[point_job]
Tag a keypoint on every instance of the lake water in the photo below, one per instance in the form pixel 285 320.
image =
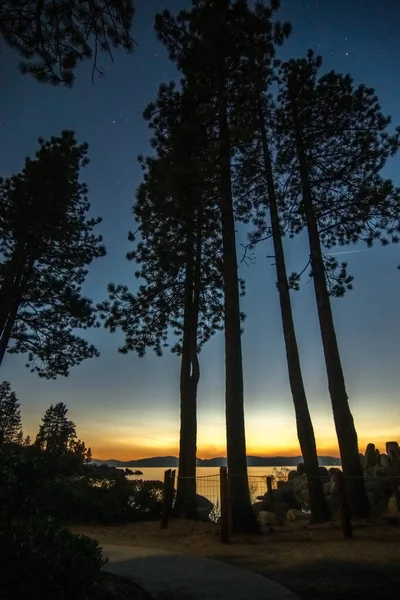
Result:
pixel 207 479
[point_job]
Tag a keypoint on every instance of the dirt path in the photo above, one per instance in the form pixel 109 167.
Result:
pixel 313 562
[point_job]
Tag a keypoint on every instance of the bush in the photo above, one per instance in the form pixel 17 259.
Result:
pixel 102 497
pixel 40 561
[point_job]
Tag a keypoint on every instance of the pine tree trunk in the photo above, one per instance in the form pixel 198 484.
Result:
pixel 305 431
pixel 186 504
pixel 344 423
pixel 243 516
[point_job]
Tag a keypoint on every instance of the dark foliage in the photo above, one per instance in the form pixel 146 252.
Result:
pixel 10 415
pixel 102 495
pixel 41 561
pixel 54 36
pixel 46 244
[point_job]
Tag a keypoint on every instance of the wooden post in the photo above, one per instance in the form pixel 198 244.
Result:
pixel 344 508
pixel 270 494
pixel 225 516
pixel 165 512
pixel 171 493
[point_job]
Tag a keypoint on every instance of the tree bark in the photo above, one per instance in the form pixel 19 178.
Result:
pixel 344 423
pixel 305 431
pixel 186 504
pixel 243 516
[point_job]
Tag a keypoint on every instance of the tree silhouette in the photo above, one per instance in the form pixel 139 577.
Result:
pixel 10 414
pixel 46 243
pixel 178 255
pixel 56 432
pixel 54 36
pixel 333 142
pixel 207 44
pixel 256 180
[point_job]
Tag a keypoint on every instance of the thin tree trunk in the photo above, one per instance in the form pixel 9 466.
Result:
pixel 344 423
pixel 190 373
pixel 243 516
pixel 305 431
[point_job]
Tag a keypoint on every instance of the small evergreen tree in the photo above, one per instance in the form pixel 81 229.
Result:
pixel 10 415
pixel 54 37
pixel 46 243
pixel 57 432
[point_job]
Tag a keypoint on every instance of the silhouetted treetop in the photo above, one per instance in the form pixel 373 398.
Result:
pixel 54 36
pixel 47 240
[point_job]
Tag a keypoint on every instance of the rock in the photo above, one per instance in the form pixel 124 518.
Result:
pixel 370 456
pixel 258 507
pixel 297 515
pixel 300 490
pixel 281 509
pixel 378 456
pixel 268 518
pixel 204 507
pixel 392 504
pixel 283 494
pixel 333 470
pixel 323 472
pixel 385 462
pixel 280 484
pixel 301 468
pixel 292 475
pixel 392 446
pixel 362 461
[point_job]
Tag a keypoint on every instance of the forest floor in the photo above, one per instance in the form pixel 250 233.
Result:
pixel 314 562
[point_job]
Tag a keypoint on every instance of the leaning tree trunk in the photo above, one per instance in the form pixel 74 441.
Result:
pixel 186 504
pixel 243 516
pixel 305 431
pixel 344 423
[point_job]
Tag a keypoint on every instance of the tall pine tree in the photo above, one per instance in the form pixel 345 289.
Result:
pixel 57 432
pixel 333 143
pixel 178 255
pixel 208 46
pixel 46 243
pixel 256 180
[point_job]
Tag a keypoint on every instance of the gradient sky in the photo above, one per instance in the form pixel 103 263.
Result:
pixel 126 407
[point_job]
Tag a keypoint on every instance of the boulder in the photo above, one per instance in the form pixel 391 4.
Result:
pixel 204 507
pixel 323 472
pixel 281 509
pixel 292 475
pixel 283 494
pixel 258 507
pixel 385 462
pixel 268 518
pixel 297 515
pixel 370 456
pixel 301 468
pixel 392 504
pixel 300 490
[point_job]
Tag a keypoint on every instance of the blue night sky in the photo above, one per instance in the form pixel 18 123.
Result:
pixel 126 407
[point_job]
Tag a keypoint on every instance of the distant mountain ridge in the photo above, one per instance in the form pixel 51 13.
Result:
pixel 252 461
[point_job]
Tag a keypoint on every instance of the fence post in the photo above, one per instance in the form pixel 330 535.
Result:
pixel 270 494
pixel 344 508
pixel 171 493
pixel 225 516
pixel 165 511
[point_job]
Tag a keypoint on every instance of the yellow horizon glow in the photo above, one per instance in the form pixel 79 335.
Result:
pixel 122 436
pixel 125 452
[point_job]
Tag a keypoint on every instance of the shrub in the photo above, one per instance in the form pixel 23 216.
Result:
pixel 41 561
pixel 104 499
